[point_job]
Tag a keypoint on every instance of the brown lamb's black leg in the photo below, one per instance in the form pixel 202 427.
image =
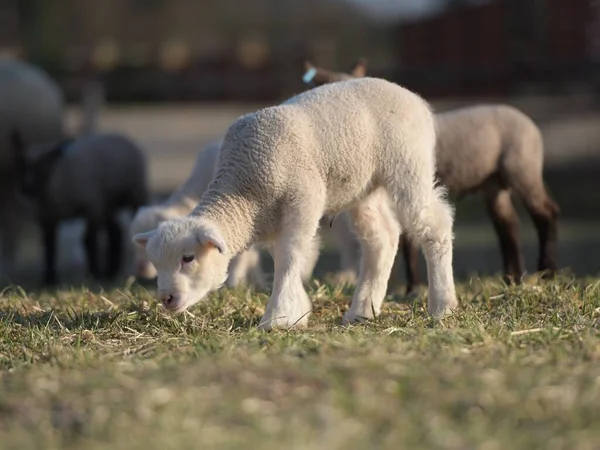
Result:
pixel 506 223
pixel 410 253
pixel 411 256
pixel 544 214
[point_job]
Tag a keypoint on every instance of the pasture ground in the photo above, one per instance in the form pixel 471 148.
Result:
pixel 515 367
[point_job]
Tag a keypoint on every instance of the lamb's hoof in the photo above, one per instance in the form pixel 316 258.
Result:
pixel 345 277
pixel 351 317
pixel 548 274
pixel 442 309
pixel 275 322
pixel 415 292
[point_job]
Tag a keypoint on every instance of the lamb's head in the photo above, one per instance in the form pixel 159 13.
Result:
pixel 191 258
pixel 147 218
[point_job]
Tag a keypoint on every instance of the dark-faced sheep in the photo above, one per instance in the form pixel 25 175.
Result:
pixel 92 177
pixel 32 102
pixel 495 150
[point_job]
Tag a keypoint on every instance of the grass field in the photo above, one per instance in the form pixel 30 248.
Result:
pixel 516 367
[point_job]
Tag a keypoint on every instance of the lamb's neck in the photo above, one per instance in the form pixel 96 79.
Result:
pixel 233 214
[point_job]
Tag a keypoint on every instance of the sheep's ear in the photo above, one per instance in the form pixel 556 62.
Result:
pixel 360 68
pixel 141 239
pixel 211 238
pixel 309 72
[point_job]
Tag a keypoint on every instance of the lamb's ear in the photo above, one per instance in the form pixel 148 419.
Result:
pixel 211 237
pixel 141 239
pixel 360 68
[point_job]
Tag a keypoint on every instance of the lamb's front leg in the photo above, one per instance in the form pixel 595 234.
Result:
pixel 378 232
pixel 289 305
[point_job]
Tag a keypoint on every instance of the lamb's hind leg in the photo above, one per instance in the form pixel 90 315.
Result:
pixel 378 232
pixel 506 223
pixel 544 212
pixel 428 218
pixel 289 305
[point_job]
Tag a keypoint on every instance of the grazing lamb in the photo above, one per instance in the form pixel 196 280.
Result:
pixel 91 177
pixel 244 267
pixel 495 150
pixel 33 102
pixel 364 145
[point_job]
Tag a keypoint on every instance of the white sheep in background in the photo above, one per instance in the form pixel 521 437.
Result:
pixel 92 177
pixel 364 145
pixel 492 149
pixel 244 268
pixel 31 101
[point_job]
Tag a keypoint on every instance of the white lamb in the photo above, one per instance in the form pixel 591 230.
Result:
pixel 244 268
pixel 364 145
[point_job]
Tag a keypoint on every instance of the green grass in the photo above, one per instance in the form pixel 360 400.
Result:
pixel 516 367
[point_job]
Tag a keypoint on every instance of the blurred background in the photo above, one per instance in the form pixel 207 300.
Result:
pixel 173 74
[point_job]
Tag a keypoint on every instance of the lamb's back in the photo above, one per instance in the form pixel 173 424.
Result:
pixel 473 140
pixel 334 137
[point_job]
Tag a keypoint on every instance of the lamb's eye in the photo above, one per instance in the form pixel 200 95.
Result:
pixel 187 259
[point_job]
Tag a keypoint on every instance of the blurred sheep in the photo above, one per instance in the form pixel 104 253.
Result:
pixel 495 150
pixel 92 177
pixel 32 102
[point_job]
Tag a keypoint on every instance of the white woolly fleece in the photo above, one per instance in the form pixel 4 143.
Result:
pixel 364 145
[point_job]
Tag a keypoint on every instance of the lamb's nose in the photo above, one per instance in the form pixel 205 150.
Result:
pixel 168 300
